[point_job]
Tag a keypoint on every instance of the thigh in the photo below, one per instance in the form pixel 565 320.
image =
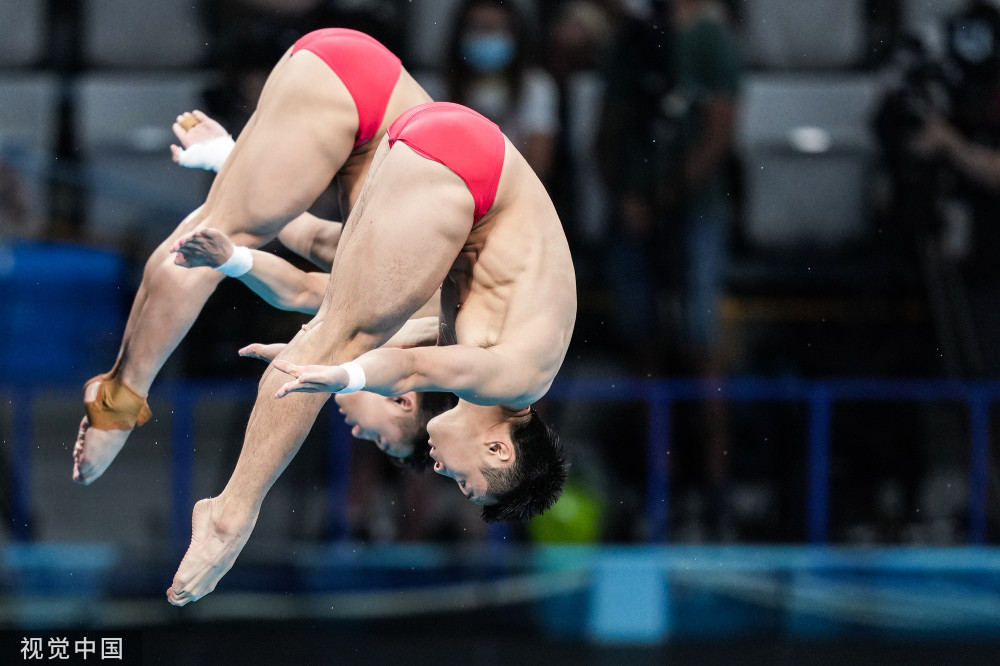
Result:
pixel 408 227
pixel 298 138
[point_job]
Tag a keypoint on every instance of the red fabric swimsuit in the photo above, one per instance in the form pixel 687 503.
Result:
pixel 367 68
pixel 456 136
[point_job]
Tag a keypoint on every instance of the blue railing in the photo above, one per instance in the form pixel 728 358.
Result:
pixel 660 396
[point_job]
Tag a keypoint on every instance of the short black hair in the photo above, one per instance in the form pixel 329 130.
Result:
pixel 534 481
pixel 429 405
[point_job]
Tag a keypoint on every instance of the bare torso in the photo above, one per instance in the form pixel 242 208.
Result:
pixel 513 287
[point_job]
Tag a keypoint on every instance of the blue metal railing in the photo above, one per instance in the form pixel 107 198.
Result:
pixel 660 395
pixel 819 396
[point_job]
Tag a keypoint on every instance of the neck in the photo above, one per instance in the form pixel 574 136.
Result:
pixel 494 413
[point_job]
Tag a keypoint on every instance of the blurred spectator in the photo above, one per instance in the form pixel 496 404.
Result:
pixel 980 163
pixel 249 36
pixel 939 126
pixel 489 68
pixel 666 140
pixel 580 34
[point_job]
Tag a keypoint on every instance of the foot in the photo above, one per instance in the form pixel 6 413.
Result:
pixel 95 449
pixel 216 541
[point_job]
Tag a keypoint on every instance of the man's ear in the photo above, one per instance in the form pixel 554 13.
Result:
pixel 503 450
pixel 407 402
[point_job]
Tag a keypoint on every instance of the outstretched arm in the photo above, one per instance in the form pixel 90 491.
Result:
pixel 272 278
pixel 414 333
pixel 481 376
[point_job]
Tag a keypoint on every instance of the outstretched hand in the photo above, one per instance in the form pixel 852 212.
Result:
pixel 202 247
pixel 205 130
pixel 311 378
pixel 262 352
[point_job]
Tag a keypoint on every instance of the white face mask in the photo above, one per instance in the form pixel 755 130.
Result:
pixel 637 7
pixel 488 53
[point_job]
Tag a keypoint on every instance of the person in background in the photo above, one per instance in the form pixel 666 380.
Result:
pixel 580 34
pixel 667 140
pixel 490 68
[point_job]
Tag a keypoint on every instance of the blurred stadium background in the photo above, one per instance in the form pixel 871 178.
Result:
pixel 827 494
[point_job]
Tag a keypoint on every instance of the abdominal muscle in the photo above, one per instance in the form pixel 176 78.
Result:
pixel 513 287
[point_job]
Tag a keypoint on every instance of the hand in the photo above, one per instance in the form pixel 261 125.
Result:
pixel 263 352
pixel 311 378
pixel 202 247
pixel 205 130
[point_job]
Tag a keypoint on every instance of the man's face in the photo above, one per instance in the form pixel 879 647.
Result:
pixel 461 446
pixel 378 419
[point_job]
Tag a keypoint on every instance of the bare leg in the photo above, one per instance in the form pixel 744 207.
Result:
pixel 283 160
pixel 397 247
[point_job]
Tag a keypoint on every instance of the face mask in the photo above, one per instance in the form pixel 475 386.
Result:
pixel 488 53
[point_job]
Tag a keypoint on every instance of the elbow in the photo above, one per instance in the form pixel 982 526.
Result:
pixel 306 303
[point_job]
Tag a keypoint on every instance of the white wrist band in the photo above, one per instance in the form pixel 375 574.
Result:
pixel 208 155
pixel 238 263
pixel 355 377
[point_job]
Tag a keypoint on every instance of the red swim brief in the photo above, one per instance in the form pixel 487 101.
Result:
pixel 367 68
pixel 456 136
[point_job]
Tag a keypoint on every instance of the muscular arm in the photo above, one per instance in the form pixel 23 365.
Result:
pixel 420 332
pixel 481 376
pixel 414 333
pixel 312 238
pixel 272 278
pixel 283 285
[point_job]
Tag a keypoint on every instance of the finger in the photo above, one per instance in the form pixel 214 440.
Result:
pixel 288 368
pixel 176 599
pixel 181 241
pixel 181 260
pixel 201 116
pixel 175 151
pixel 251 352
pixel 258 351
pixel 290 387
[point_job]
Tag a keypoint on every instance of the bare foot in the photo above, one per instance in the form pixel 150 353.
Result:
pixel 95 449
pixel 216 541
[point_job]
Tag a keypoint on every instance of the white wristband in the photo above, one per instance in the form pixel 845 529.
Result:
pixel 208 155
pixel 238 263
pixel 355 377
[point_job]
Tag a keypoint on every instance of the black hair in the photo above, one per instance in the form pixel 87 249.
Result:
pixel 534 481
pixel 429 405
